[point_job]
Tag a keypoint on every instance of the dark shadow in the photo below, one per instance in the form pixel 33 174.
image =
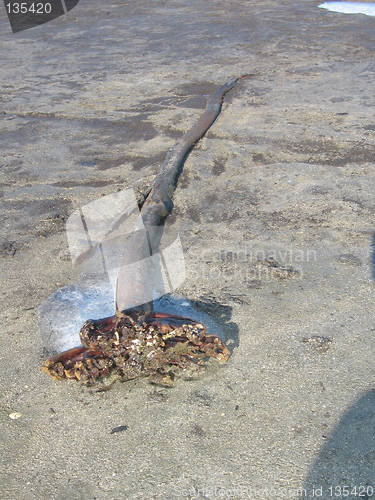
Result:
pixel 348 458
pixel 221 314
pixel 373 256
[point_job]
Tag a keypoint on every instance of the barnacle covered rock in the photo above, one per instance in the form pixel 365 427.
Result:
pixel 127 346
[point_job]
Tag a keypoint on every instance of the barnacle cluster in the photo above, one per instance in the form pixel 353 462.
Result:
pixel 127 346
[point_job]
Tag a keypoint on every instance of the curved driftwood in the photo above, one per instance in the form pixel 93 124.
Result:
pixel 137 342
pixel 156 205
pixel 158 201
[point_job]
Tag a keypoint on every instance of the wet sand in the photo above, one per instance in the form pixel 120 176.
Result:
pixel 275 210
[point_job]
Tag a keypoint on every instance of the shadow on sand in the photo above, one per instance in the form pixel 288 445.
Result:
pixel 348 458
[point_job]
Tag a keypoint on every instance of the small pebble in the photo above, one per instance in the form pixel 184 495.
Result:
pixel 120 428
pixel 15 415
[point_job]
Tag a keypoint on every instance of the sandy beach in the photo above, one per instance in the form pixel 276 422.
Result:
pixel 275 211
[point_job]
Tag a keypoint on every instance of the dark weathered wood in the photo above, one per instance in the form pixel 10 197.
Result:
pixel 158 203
pixel 156 206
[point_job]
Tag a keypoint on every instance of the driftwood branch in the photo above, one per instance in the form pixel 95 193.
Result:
pixel 156 206
pixel 136 343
